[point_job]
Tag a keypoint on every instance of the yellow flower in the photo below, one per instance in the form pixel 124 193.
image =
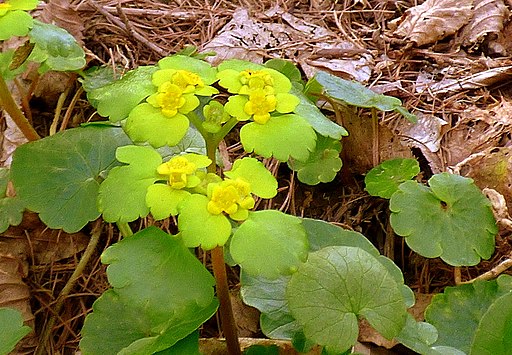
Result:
pixel 256 80
pixel 182 170
pixel 187 81
pixel 260 105
pixel 170 99
pixel 232 197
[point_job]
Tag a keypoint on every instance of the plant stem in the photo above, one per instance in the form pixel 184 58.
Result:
pixel 59 303
pixel 221 279
pixel 125 229
pixel 12 109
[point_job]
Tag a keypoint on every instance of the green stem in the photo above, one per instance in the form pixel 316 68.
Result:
pixel 59 303
pixel 10 106
pixel 125 229
pixel 221 279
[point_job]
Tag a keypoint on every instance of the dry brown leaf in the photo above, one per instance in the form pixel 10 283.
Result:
pixel 434 20
pixel 62 14
pixel 489 17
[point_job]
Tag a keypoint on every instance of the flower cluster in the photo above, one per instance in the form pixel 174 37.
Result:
pixel 181 170
pixel 232 197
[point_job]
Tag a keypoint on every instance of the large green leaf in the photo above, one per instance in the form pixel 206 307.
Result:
pixel 122 196
pixel 55 48
pixel 494 333
pixel 458 312
pixel 287 68
pixel 356 94
pixel 12 329
pixel 337 285
pixel 321 124
pixel 11 208
pixel 384 179
pixel 161 293
pixel 269 243
pixel 115 100
pixel 59 176
pixel 281 137
pixel 15 23
pixel 451 219
pixel 323 163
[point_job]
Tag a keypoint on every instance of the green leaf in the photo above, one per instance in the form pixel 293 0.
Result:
pixel 11 208
pixel 12 329
pixel 238 65
pixel 161 293
pixel 147 124
pixel 321 124
pixel 97 77
pixel 323 163
pixel 355 94
pixel 337 285
pixel 269 243
pixel 186 346
pixel 200 228
pixel 287 68
pixel 163 200
pixel 122 196
pixel 451 219
pixel 262 350
pixel 15 23
pixel 459 311
pixel 281 137
pixel 126 93
pixel 59 176
pixel 55 48
pixel 6 58
pixel 197 66
pixel 22 4
pixel 193 142
pixel 384 179
pixel 263 183
pixel 494 333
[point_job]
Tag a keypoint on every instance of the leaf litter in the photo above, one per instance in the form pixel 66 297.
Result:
pixel 448 61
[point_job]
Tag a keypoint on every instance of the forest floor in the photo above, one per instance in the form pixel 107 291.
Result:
pixel 449 63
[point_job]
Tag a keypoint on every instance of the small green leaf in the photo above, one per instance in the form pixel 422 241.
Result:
pixel 262 350
pixel 323 163
pixel 59 176
pixel 269 243
pixel 451 219
pixel 15 23
pixel 285 67
pixel 263 183
pixel 122 196
pixel 11 208
pixel 494 333
pixel 163 200
pixel 384 179
pixel 55 48
pixel 337 285
pixel 161 293
pixel 459 311
pixel 193 142
pixel 197 66
pixel 126 93
pixel 281 137
pixel 355 94
pixel 200 228
pixel 321 124
pixel 97 77
pixel 238 65
pixel 147 124
pixel 12 329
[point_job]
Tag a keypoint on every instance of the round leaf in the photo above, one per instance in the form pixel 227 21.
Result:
pixel 147 124
pixel 335 286
pixel 451 219
pixel 59 176
pixel 323 163
pixel 122 196
pixel 15 23
pixel 263 183
pixel 199 67
pixel 281 137
pixel 126 93
pixel 200 228
pixel 458 312
pixel 12 329
pixel 161 293
pixel 269 243
pixel 384 179
pixel 163 200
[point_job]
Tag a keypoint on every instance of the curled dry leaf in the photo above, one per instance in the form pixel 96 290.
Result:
pixel 434 20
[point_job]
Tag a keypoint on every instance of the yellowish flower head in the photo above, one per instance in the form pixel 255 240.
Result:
pixel 187 81
pixel 232 197
pixel 256 80
pixel 170 98
pixel 182 170
pixel 260 105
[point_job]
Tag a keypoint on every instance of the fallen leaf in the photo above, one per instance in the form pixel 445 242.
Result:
pixel 64 15
pixel 434 20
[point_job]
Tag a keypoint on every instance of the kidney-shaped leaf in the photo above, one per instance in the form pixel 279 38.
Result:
pixel 337 285
pixel 12 329
pixel 269 243
pixel 458 312
pixel 384 179
pixel 161 293
pixel 59 176
pixel 451 219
